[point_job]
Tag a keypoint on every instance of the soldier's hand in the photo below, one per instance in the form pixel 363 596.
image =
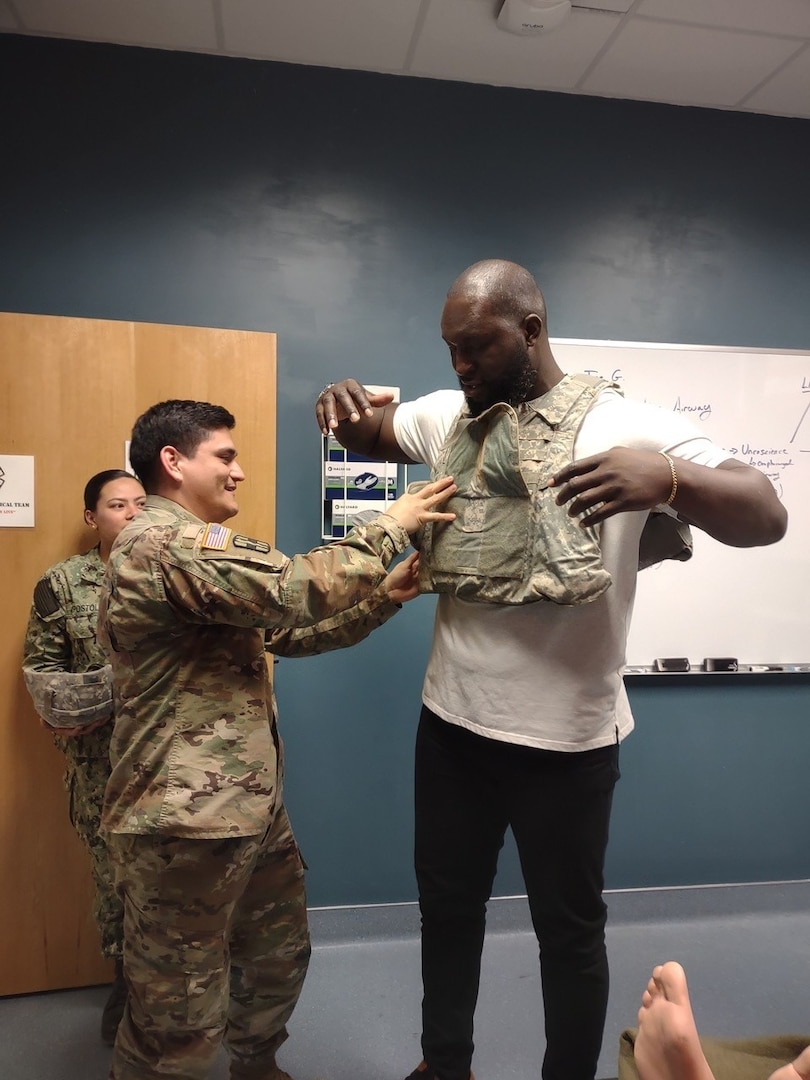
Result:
pixel 414 509
pixel 401 584
pixel 346 400
pixel 610 483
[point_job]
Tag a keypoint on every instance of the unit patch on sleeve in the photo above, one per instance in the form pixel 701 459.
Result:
pixel 216 537
pixel 189 536
pixel 252 545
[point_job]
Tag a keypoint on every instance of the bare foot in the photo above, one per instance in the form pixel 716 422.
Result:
pixel 800 1068
pixel 667 1045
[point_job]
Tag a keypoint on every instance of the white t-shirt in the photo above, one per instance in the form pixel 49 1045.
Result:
pixel 543 674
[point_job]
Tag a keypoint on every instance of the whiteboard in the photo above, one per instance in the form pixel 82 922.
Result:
pixel 749 603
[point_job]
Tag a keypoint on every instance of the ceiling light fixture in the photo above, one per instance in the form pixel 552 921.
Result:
pixel 528 17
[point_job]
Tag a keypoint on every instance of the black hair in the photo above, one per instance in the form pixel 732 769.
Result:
pixel 95 485
pixel 179 423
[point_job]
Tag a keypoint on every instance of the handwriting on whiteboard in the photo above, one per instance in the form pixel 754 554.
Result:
pixel 773 461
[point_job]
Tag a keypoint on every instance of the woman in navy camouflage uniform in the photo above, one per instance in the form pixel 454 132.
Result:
pixel 67 675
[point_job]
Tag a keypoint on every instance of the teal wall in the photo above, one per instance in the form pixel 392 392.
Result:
pixel 335 208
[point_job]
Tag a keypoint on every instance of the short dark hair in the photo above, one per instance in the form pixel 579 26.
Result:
pixel 179 423
pixel 95 485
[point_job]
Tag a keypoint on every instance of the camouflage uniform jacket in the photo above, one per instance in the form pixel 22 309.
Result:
pixel 184 611
pixel 510 542
pixel 64 640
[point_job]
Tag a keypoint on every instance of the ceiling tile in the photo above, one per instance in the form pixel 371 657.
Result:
pixel 591 5
pixel 353 33
pixel 604 5
pixel 659 61
pixel 788 92
pixel 768 16
pixel 692 52
pixel 461 40
pixel 181 24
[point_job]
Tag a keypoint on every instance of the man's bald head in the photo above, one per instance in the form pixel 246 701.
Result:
pixel 507 288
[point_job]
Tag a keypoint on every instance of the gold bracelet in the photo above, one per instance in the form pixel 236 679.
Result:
pixel 671 464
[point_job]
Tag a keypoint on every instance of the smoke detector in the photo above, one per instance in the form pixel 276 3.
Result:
pixel 528 17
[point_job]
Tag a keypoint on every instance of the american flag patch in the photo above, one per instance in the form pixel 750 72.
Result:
pixel 216 537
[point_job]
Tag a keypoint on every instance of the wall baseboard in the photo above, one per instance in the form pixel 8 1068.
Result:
pixel 509 914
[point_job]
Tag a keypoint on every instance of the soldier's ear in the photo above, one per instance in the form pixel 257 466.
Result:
pixel 90 519
pixel 532 327
pixel 170 460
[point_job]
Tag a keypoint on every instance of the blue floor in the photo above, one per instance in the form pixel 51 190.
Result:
pixel 746 950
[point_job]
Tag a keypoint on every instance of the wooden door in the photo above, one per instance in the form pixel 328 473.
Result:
pixel 70 390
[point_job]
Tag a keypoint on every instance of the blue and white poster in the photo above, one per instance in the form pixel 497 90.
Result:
pixel 352 484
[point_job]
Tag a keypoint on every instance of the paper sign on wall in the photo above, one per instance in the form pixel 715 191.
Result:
pixel 16 491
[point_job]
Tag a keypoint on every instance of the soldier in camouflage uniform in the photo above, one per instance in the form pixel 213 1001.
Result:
pixel 69 679
pixel 215 933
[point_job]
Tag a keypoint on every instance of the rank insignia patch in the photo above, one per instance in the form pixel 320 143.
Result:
pixel 252 545
pixel 216 537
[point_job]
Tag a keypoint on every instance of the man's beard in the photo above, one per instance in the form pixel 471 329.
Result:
pixel 517 385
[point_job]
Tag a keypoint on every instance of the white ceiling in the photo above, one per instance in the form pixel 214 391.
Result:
pixel 746 55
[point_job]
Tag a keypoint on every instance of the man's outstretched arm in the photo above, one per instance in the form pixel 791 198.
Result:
pixel 733 502
pixel 360 420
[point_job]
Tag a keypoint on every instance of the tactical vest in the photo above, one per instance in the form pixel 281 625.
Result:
pixel 67 699
pixel 66 602
pixel 510 542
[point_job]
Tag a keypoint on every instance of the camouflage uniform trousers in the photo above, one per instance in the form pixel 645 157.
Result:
pixel 216 945
pixel 86 774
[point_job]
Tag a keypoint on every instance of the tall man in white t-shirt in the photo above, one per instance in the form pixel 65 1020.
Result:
pixel 524 703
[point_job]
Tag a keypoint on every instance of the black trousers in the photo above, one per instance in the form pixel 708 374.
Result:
pixel 469 790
